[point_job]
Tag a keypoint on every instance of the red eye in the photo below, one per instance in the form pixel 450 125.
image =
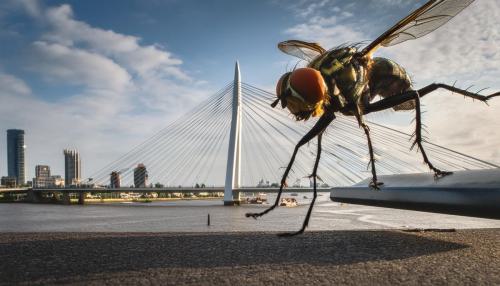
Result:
pixel 279 86
pixel 309 84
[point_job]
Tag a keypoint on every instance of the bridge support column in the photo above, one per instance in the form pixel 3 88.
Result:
pixel 33 197
pixel 231 195
pixel 81 198
pixel 65 199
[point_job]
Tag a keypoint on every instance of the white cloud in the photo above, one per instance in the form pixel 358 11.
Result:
pixel 326 31
pixel 325 24
pixel 312 8
pixel 76 66
pixel 120 91
pixel 12 85
pixel 125 49
pixel 32 7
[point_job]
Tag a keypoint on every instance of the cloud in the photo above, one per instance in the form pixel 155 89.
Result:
pixel 10 84
pixel 32 7
pixel 66 64
pixel 326 31
pixel 125 49
pixel 119 90
pixel 324 24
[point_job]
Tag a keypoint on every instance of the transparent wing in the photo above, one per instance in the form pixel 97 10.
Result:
pixel 303 50
pixel 421 22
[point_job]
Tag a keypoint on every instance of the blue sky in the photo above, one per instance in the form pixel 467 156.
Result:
pixel 101 76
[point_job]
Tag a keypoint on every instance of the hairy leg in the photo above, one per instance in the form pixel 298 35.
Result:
pixel 374 184
pixel 393 101
pixel 418 140
pixel 313 175
pixel 318 128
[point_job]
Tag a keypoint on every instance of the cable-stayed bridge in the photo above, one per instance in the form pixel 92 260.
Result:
pixel 235 139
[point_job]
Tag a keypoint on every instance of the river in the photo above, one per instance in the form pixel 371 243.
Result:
pixel 191 216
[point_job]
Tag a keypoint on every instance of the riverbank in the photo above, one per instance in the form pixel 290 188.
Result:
pixel 374 257
pixel 116 200
pixel 144 200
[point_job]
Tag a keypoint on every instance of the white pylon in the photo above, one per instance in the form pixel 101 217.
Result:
pixel 234 150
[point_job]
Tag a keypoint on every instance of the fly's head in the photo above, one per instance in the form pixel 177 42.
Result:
pixel 303 92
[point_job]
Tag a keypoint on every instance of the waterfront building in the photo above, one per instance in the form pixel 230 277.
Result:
pixel 56 181
pixel 15 155
pixel 115 179
pixel 42 176
pixel 72 167
pixel 9 182
pixel 140 176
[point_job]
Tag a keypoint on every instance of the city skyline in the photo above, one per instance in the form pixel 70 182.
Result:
pixel 74 77
pixel 17 168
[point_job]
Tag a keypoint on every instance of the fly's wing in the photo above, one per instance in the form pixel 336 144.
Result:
pixel 303 50
pixel 421 22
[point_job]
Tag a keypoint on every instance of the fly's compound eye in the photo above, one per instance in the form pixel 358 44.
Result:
pixel 309 85
pixel 303 92
pixel 282 90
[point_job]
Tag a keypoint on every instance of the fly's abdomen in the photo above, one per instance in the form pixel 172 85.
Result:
pixel 387 78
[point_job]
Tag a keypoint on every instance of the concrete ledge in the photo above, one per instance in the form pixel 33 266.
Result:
pixel 471 193
pixel 232 203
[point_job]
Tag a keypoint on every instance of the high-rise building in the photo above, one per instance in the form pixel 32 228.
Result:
pixel 42 176
pixel 140 176
pixel 15 155
pixel 72 167
pixel 115 179
pixel 42 171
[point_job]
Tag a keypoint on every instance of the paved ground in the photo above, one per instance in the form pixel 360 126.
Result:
pixel 470 257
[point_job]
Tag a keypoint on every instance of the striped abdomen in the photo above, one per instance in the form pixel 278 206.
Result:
pixel 387 78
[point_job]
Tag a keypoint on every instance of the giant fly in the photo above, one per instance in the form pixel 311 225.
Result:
pixel 346 80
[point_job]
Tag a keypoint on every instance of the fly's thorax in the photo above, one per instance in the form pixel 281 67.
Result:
pixel 334 60
pixel 344 75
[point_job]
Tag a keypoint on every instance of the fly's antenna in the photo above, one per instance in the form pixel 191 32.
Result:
pixel 296 64
pixel 287 68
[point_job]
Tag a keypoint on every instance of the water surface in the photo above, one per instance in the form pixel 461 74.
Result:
pixel 191 216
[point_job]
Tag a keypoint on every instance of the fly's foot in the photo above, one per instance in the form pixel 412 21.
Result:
pixel 374 185
pixel 439 174
pixel 290 234
pixel 253 215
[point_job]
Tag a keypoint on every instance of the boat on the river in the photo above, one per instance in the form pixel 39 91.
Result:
pixel 288 202
pixel 261 198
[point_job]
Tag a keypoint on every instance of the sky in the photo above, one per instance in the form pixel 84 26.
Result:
pixel 103 76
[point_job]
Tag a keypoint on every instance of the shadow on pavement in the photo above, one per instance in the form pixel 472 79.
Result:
pixel 41 256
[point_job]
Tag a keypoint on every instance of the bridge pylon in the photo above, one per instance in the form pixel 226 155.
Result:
pixel 233 175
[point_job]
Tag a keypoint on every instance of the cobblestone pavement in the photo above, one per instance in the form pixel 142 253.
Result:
pixel 389 257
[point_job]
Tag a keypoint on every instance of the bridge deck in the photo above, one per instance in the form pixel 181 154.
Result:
pixel 471 193
pixel 159 190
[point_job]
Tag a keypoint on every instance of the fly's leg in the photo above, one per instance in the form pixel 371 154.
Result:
pixel 374 184
pixel 418 140
pixel 314 175
pixel 318 128
pixel 463 92
pixel 391 102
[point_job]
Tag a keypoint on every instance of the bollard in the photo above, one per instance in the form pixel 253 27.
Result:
pixel 208 220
